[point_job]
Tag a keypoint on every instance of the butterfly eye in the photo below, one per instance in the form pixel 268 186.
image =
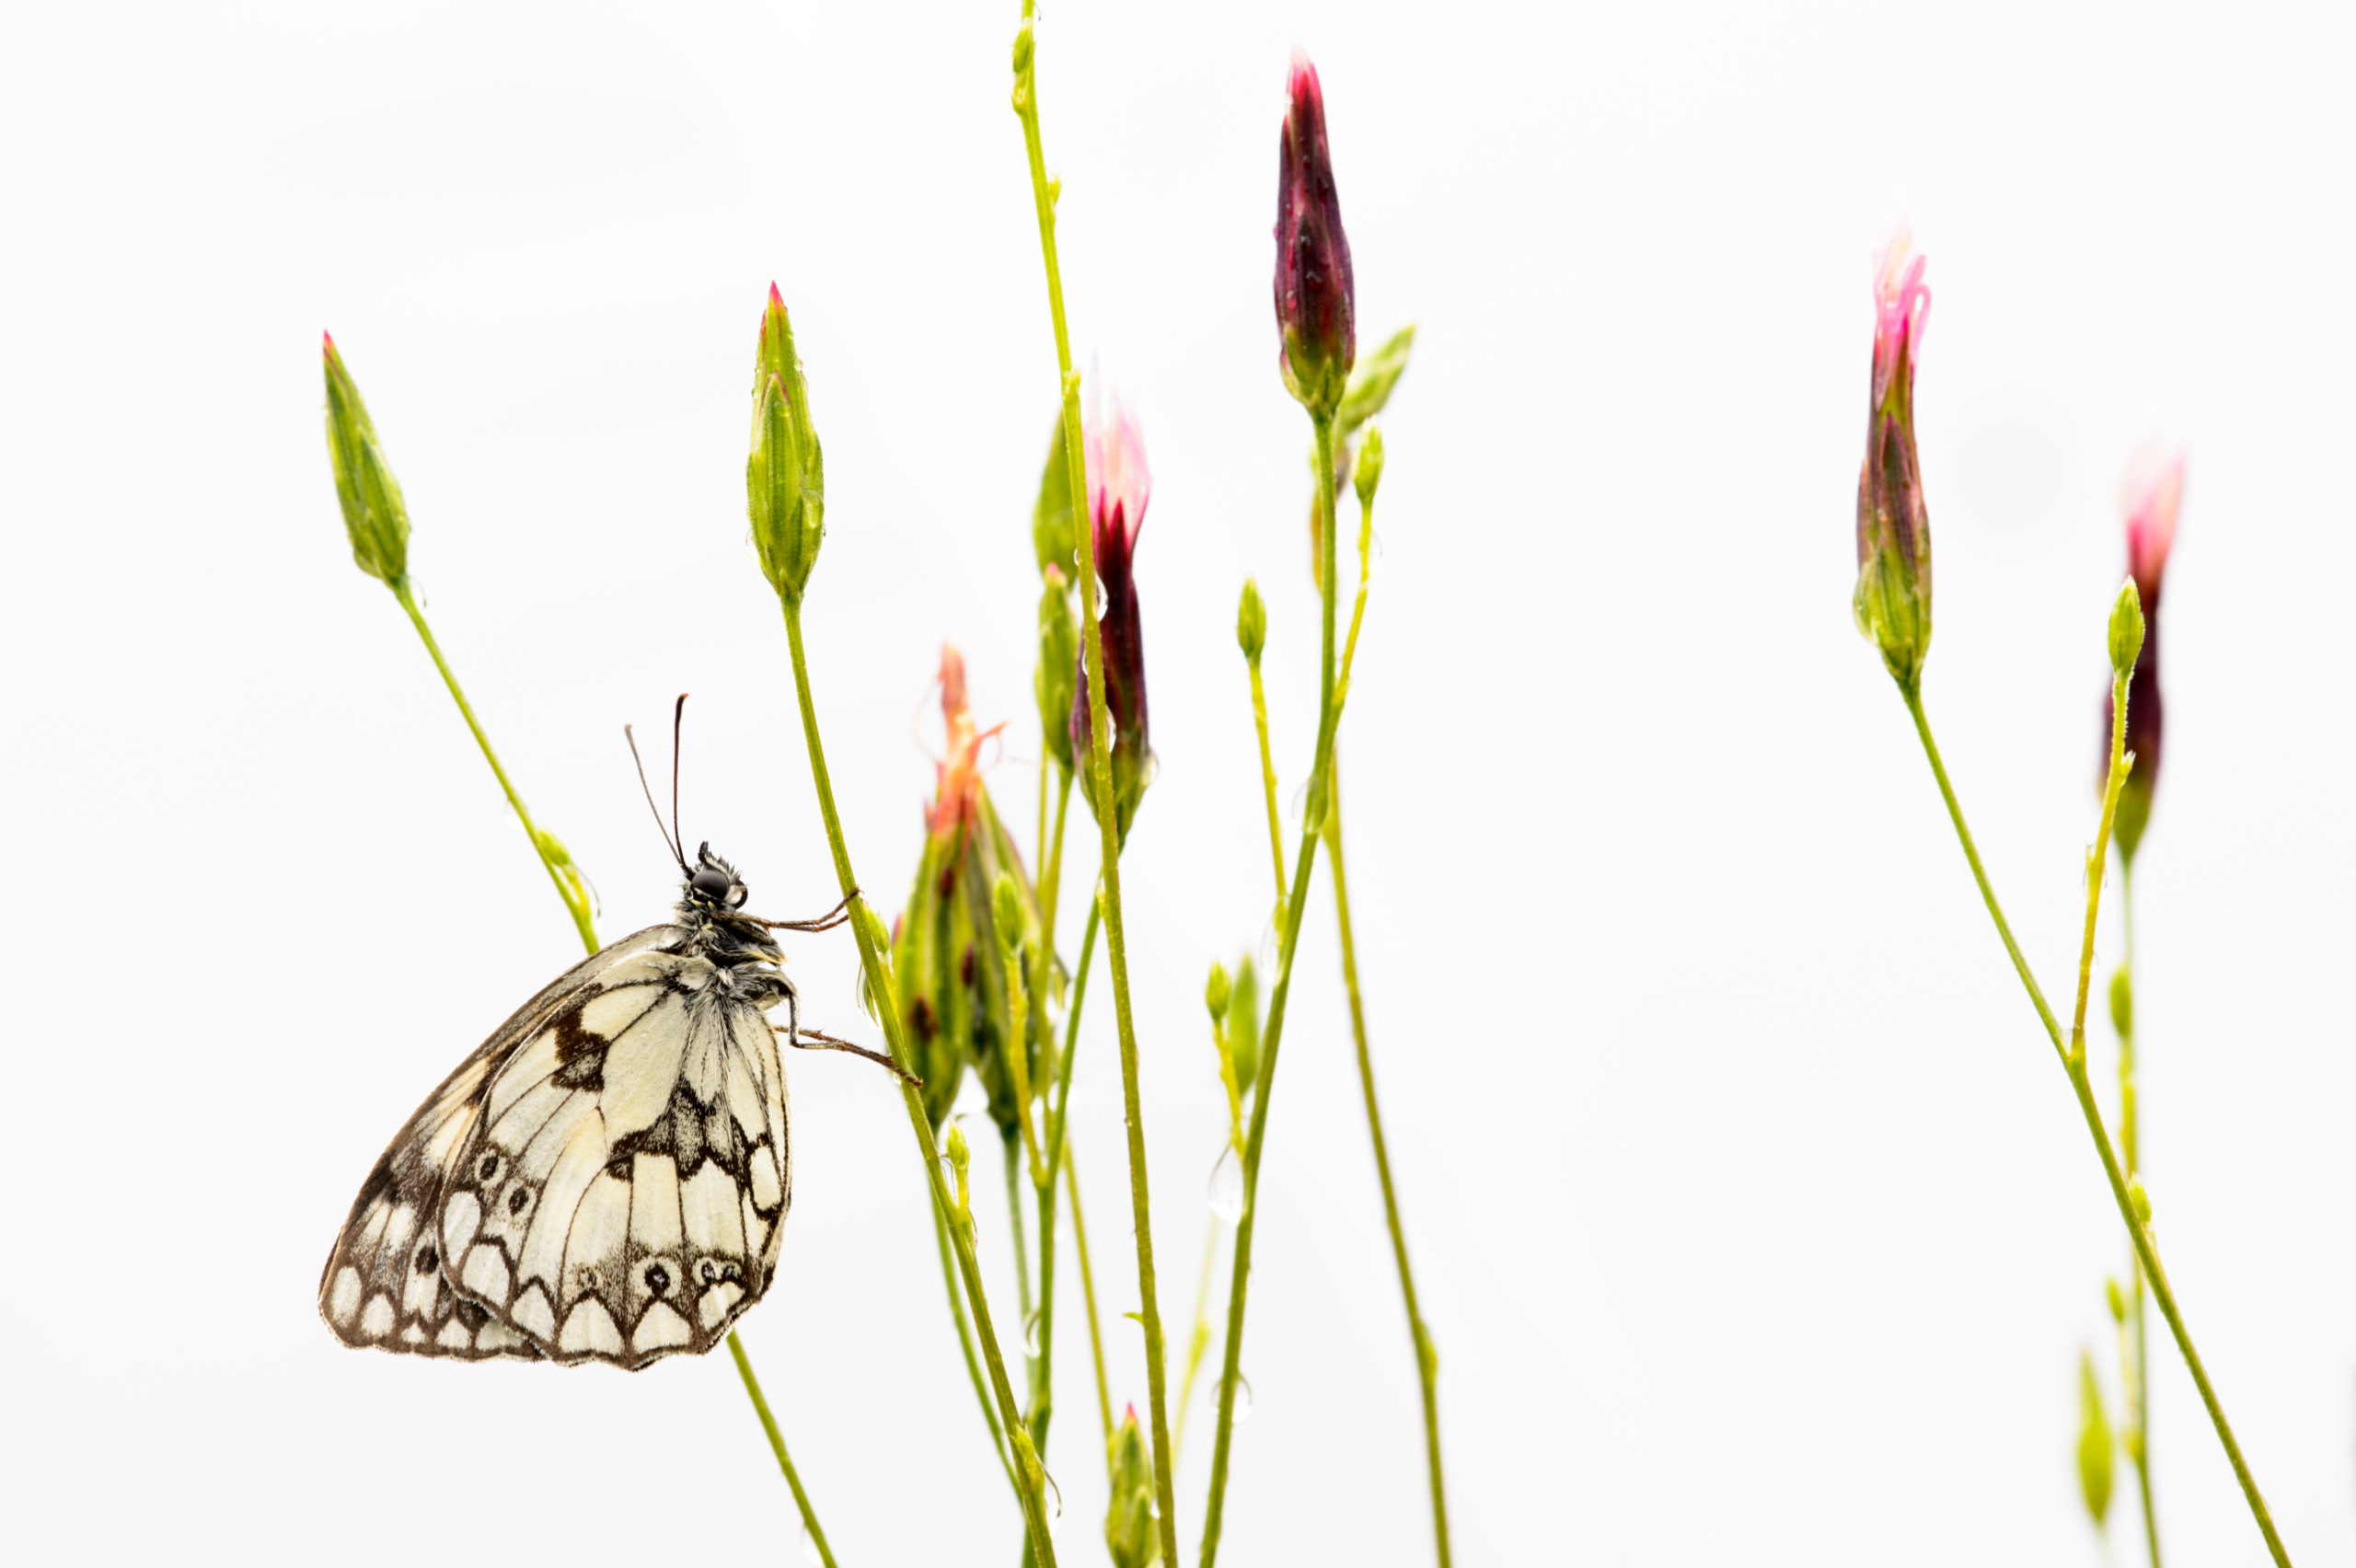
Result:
pixel 710 882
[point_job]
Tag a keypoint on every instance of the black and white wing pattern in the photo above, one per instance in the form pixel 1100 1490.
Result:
pixel 603 1179
pixel 620 1196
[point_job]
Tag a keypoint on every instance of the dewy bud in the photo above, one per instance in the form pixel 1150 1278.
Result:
pixel 2094 1442
pixel 1130 1532
pixel 1056 675
pixel 1118 489
pixel 373 513
pixel 1315 296
pixel 785 481
pixel 1052 539
pixel 1252 622
pixel 1893 597
pixel 2154 494
pixel 2126 630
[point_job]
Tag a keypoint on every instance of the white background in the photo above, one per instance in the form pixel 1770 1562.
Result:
pixel 1754 1219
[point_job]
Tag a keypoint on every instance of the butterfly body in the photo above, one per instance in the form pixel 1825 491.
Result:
pixel 605 1177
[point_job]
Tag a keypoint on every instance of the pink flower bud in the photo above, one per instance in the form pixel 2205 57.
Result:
pixel 1893 597
pixel 2154 492
pixel 1119 485
pixel 2155 489
pixel 1315 301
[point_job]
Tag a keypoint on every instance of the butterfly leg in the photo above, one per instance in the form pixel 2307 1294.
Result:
pixel 826 922
pixel 810 1040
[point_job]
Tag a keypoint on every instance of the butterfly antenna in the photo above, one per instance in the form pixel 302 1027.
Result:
pixel 668 843
pixel 678 714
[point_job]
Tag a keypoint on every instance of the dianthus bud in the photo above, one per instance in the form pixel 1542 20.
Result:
pixel 2094 1442
pixel 1217 992
pixel 1052 539
pixel 2155 491
pixel 1893 598
pixel 785 481
pixel 1366 474
pixel 948 947
pixel 2125 636
pixel 1118 489
pixel 1314 293
pixel 1251 622
pixel 1131 1532
pixel 1243 1024
pixel 1055 678
pixel 373 513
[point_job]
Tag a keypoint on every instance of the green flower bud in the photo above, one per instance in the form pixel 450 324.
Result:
pixel 1243 1024
pixel 1006 909
pixel 960 1159
pixel 1368 471
pixel 1056 677
pixel 1130 1525
pixel 2122 1003
pixel 1052 539
pixel 2095 1443
pixel 785 479
pixel 1216 992
pixel 2126 630
pixel 2117 1298
pixel 373 513
pixel 2139 1200
pixel 1251 623
pixel 1371 381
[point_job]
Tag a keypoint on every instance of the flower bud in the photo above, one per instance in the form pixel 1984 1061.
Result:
pixel 2155 493
pixel 2122 1000
pixel 2126 630
pixel 2115 1298
pixel 1052 539
pixel 961 1156
pixel 1118 489
pixel 1056 677
pixel 1314 294
pixel 1366 474
pixel 1371 382
pixel 1131 1532
pixel 785 481
pixel 1216 992
pixel 2139 1200
pixel 373 513
pixel 1251 623
pixel 1893 597
pixel 2094 1442
pixel 1243 1025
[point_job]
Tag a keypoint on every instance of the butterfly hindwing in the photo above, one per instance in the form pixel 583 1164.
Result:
pixel 620 1195
pixel 385 1284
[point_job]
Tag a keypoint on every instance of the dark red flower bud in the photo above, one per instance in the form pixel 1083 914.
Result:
pixel 1315 299
pixel 2155 491
pixel 1893 597
pixel 1118 489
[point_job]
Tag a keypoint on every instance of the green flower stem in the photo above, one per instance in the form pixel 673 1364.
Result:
pixel 1240 1274
pixel 1198 1340
pixel 1030 1479
pixel 1059 1159
pixel 1268 783
pixel 965 1344
pixel 1427 1357
pixel 569 886
pixel 777 1442
pixel 575 893
pixel 2074 1064
pixel 1365 573
pixel 1099 734
pixel 1013 1147
pixel 2139 1408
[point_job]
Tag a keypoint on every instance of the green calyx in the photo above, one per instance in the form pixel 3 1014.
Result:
pixel 374 514
pixel 785 481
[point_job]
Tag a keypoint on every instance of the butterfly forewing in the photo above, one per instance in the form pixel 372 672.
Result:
pixel 619 1198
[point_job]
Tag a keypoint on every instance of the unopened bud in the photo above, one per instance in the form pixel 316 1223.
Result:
pixel 2139 1200
pixel 1052 539
pixel 1893 594
pixel 2126 630
pixel 785 481
pixel 1056 677
pixel 2095 1443
pixel 960 1159
pixel 1130 1532
pixel 1315 295
pixel 1367 472
pixel 1371 382
pixel 2117 1298
pixel 1006 911
pixel 1252 622
pixel 1216 992
pixel 1243 1024
pixel 373 513
pixel 2122 1003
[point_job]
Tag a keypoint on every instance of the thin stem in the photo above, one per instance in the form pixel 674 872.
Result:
pixel 1198 1340
pixel 1366 571
pixel 867 927
pixel 2138 1402
pixel 1088 1294
pixel 575 894
pixel 1057 1159
pixel 1268 783
pixel 1240 1274
pixel 965 1344
pixel 1426 1355
pixel 1099 734
pixel 2074 1065
pixel 776 1443
pixel 1014 1232
pixel 569 886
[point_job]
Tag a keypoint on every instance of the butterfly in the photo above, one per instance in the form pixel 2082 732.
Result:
pixel 606 1178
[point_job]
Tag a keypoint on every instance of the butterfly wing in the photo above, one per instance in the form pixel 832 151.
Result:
pixel 384 1284
pixel 619 1196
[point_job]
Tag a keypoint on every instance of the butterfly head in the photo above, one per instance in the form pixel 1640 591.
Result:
pixel 714 885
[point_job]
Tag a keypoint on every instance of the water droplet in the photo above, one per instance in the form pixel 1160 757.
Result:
pixel 1227 1186
pixel 1242 1399
pixel 1031 1334
pixel 810 1553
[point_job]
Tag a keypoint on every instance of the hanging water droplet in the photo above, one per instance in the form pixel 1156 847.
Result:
pixel 810 1553
pixel 1242 1399
pixel 1227 1186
